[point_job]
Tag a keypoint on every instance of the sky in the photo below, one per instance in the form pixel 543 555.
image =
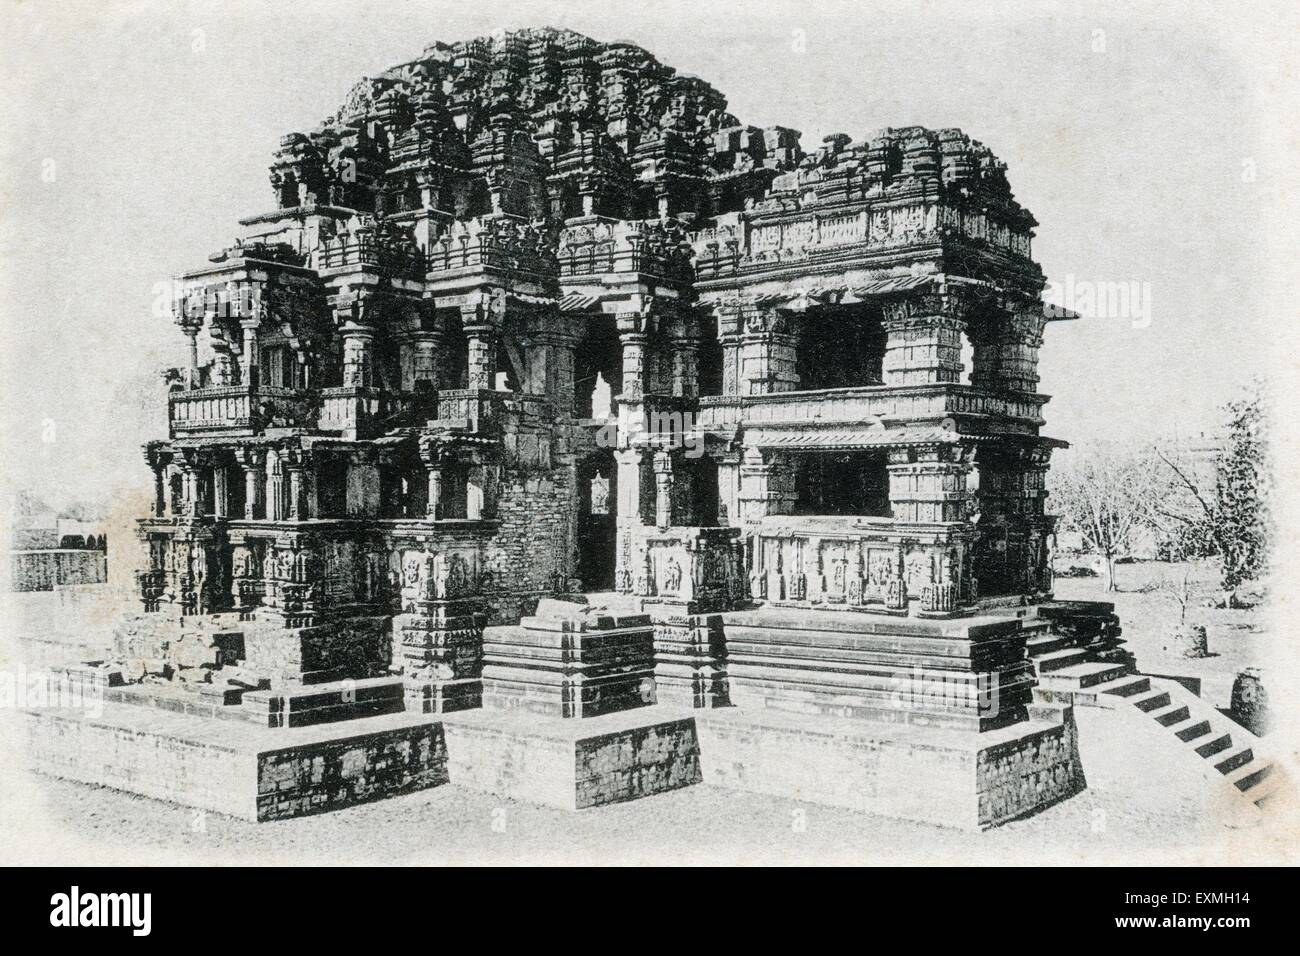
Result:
pixel 1146 142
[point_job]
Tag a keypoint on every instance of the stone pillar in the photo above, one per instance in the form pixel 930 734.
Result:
pixel 220 492
pixel 729 326
pixel 252 489
pixel 767 347
pixel 548 361
pixel 927 484
pixel 729 489
pixel 766 486
pixel 627 515
pixel 685 346
pixel 190 490
pixel 1013 482
pixel 436 461
pixel 427 348
pixel 1005 349
pixel 250 355
pixel 923 339
pixel 476 493
pixel 158 462
pixel 295 492
pixel 481 342
pixel 274 491
pixel 633 334
pixel 435 492
pixel 663 465
pixel 358 368
pixel 192 377
pixel 160 491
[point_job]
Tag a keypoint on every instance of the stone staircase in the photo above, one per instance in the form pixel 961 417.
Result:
pixel 1079 663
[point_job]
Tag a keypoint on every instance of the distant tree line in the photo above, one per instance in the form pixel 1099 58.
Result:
pixel 1114 495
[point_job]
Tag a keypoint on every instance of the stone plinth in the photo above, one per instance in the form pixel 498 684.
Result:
pixel 234 767
pixel 939 776
pixel 573 764
pixel 690 657
pixel 969 673
pixel 569 660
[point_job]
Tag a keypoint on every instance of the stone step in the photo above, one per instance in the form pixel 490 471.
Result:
pixel 1238 758
pixel 1130 685
pixel 1267 791
pixel 1214 746
pixel 1154 700
pixel 1056 660
pixel 1039 644
pixel 1084 692
pixel 1246 777
pixel 1078 676
pixel 1191 729
pixel 1170 714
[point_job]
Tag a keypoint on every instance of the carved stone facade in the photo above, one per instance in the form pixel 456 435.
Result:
pixel 536 316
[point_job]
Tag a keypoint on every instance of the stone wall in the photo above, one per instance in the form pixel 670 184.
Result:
pixel 45 570
pixel 328 775
pixel 535 511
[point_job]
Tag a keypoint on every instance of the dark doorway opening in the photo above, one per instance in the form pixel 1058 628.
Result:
pixel 842 483
pixel 597 521
pixel 841 347
pixel 597 367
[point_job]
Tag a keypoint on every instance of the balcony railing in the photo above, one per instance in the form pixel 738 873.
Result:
pixel 488 243
pixel 762 242
pixel 372 253
pixel 862 563
pixel 221 407
pixel 863 406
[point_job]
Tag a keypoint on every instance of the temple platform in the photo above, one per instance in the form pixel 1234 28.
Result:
pixel 941 776
pixel 573 764
pixel 235 767
pixel 923 720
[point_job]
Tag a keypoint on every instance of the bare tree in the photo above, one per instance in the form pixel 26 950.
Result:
pixel 1228 506
pixel 1105 493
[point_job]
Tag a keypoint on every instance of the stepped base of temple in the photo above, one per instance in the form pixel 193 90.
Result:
pixel 939 776
pixel 925 720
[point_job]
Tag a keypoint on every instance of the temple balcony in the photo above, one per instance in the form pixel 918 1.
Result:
pixel 874 407
pixel 600 247
pixel 368 252
pixel 225 409
pixel 499 246
pixel 753 243
pixel 861 563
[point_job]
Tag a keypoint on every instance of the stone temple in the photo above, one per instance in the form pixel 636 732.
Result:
pixel 557 434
